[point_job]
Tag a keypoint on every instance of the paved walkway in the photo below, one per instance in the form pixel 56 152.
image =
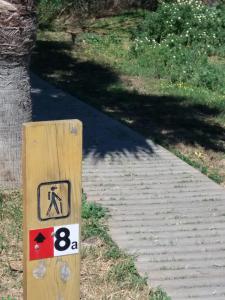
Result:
pixel 164 211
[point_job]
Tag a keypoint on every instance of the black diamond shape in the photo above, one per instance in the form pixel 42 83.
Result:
pixel 40 238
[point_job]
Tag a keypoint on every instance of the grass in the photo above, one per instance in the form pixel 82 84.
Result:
pixel 159 295
pixel 212 173
pixel 10 245
pixel 102 70
pixel 106 272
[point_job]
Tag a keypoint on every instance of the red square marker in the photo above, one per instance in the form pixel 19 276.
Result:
pixel 41 243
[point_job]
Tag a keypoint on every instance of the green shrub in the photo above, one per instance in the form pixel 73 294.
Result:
pixel 175 41
pixel 190 20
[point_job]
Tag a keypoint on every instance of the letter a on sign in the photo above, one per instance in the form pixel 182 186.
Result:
pixel 52 155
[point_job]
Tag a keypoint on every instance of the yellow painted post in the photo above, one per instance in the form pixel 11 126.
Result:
pixel 52 155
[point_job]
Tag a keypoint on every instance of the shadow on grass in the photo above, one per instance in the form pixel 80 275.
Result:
pixel 167 119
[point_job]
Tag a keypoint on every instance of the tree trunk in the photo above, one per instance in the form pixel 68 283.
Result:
pixel 17 37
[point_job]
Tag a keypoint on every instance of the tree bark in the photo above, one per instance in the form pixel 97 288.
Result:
pixel 17 37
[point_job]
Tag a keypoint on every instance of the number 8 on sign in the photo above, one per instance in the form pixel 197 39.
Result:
pixel 66 240
pixel 62 241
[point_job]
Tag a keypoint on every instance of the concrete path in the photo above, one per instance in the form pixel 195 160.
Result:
pixel 165 212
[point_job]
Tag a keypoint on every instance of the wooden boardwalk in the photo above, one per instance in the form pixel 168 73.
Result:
pixel 162 210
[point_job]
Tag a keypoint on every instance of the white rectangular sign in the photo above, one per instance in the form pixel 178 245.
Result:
pixel 66 239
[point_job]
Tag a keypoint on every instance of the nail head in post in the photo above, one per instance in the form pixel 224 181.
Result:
pixel 73 130
pixel 36 247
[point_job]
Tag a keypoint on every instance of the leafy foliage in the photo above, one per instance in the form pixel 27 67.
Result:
pixel 48 10
pixel 125 273
pixel 187 22
pixel 91 209
pixel 92 213
pixel 159 294
pixel 176 41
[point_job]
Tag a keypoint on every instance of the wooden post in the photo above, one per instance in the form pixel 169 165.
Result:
pixel 52 155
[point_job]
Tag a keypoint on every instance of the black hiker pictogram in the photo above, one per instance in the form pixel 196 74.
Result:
pixel 54 198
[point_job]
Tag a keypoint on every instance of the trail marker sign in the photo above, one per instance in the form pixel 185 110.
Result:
pixel 54 241
pixel 54 200
pixel 52 155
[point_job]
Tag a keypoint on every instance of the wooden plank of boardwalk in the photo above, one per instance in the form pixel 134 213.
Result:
pixel 167 214
pixel 162 210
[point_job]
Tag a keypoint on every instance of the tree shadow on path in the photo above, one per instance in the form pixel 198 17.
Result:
pixel 103 136
pixel 167 118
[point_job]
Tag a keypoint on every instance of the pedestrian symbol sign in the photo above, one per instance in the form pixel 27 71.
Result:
pixel 53 197
pixel 53 200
